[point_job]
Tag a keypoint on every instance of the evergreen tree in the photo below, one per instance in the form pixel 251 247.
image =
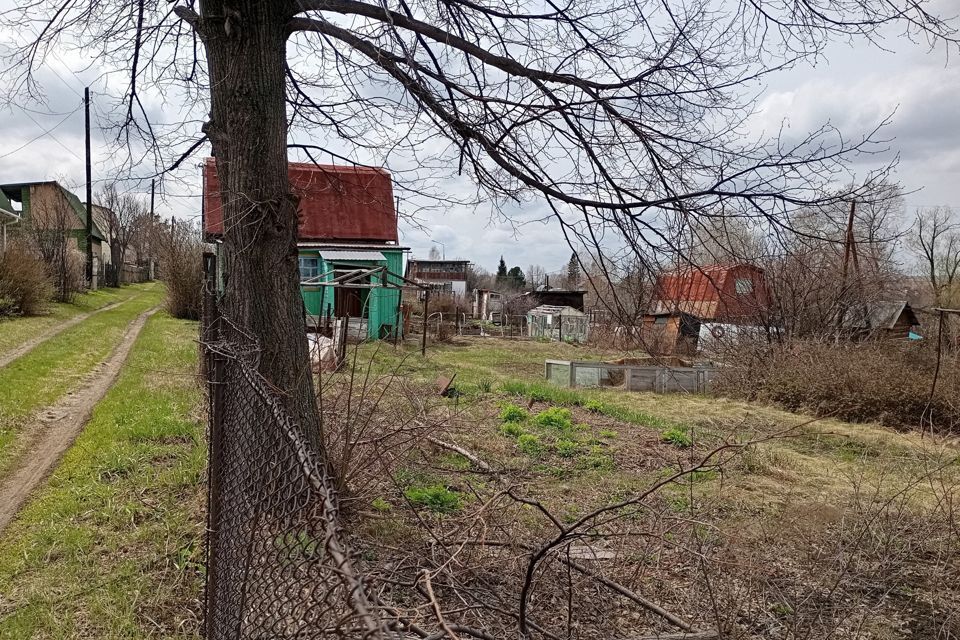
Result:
pixel 501 272
pixel 573 272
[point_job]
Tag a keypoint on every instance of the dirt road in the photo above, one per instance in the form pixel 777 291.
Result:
pixel 36 341
pixel 52 432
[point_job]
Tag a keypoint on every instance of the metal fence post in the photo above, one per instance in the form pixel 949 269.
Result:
pixel 215 370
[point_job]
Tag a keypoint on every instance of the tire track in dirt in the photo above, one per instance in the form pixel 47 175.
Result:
pixel 54 331
pixel 53 430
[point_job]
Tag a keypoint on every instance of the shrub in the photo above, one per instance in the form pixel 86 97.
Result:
pixel 436 498
pixel 677 436
pixel 554 418
pixel 513 413
pixel 181 269
pixel 530 444
pixel 25 288
pixel 877 381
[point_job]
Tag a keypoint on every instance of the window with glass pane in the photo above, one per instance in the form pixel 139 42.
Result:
pixel 744 286
pixel 309 267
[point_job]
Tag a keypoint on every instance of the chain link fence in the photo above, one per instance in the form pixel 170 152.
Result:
pixel 277 563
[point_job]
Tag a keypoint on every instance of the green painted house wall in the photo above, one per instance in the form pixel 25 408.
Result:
pixel 380 304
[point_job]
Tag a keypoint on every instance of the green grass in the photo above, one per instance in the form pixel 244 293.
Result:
pixel 16 331
pixel 110 547
pixel 45 374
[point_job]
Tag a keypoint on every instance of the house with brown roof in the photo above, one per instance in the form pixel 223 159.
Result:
pixel 717 293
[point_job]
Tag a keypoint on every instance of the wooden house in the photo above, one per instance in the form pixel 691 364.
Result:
pixel 718 293
pixel 348 225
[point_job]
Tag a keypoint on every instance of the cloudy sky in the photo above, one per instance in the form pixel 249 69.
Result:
pixel 853 88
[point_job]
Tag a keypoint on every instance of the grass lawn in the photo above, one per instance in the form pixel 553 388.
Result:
pixel 16 331
pixel 110 548
pixel 58 365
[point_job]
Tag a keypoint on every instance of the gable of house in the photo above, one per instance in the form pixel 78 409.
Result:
pixel 718 292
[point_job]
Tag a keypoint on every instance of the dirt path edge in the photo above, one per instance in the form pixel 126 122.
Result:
pixel 54 331
pixel 59 425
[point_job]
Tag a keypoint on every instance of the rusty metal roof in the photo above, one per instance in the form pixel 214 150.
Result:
pixel 336 202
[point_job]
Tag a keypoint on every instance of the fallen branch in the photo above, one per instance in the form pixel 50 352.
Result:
pixel 474 460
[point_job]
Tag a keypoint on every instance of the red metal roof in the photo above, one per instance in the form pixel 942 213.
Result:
pixel 710 292
pixel 336 202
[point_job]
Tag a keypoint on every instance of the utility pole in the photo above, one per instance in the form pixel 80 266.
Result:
pixel 150 228
pixel 86 105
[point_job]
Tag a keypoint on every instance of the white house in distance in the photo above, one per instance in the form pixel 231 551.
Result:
pixel 444 276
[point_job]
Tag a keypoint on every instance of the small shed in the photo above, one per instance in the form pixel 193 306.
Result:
pixel 884 319
pixel 564 324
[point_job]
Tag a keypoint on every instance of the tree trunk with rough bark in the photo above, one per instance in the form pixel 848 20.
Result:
pixel 245 42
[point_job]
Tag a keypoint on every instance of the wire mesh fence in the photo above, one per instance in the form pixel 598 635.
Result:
pixel 277 563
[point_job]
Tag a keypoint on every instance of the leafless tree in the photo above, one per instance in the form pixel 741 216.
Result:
pixel 936 243
pixel 123 216
pixel 535 276
pixel 51 233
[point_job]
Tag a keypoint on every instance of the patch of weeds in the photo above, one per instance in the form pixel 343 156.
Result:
pixel 511 429
pixel 544 393
pixel 513 413
pixel 382 505
pixel 485 385
pixel 596 459
pixel 677 436
pixel 566 448
pixel 610 434
pixel 594 406
pixel 554 418
pixel 530 444
pixel 436 498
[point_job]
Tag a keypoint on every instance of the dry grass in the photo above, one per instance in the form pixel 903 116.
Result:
pixel 819 528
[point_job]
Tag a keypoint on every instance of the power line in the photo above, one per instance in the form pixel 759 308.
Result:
pixel 47 132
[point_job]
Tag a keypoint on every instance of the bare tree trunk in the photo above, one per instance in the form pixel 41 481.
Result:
pixel 246 51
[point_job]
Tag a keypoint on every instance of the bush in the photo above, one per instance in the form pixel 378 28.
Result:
pixel 436 498
pixel 24 286
pixel 181 269
pixel 554 418
pixel 513 413
pixel 887 382
pixel 677 436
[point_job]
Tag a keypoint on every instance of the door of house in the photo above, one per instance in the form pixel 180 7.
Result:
pixel 349 302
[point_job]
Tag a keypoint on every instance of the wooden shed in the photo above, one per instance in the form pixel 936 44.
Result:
pixel 883 319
